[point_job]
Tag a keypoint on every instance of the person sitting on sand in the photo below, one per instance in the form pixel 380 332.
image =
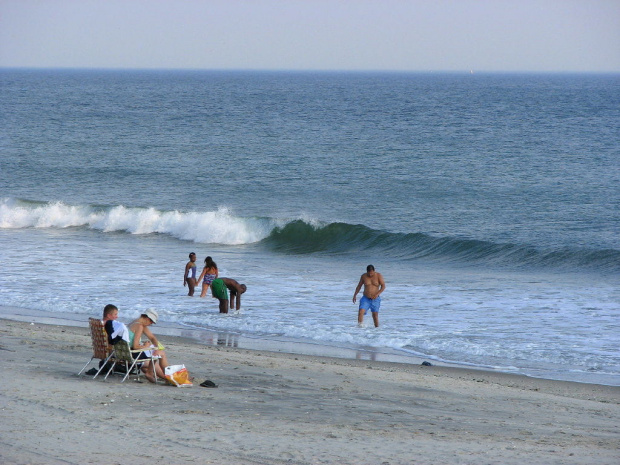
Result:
pixel 220 288
pixel 140 327
pixel 209 273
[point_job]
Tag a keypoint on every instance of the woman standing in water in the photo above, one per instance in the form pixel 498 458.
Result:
pixel 209 273
pixel 189 278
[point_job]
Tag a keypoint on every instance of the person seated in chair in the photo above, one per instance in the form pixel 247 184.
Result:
pixel 115 330
pixel 137 329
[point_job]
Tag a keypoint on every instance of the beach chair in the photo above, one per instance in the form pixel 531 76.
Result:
pixel 124 354
pixel 101 349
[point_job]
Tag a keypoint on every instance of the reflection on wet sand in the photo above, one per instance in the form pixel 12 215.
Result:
pixel 211 338
pixel 366 355
pixel 227 339
pixel 279 344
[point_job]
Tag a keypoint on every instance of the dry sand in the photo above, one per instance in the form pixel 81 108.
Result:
pixel 273 408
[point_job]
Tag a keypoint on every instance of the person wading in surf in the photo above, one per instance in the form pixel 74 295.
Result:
pixel 189 278
pixel 374 285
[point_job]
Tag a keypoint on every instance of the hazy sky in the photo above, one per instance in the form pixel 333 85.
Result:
pixel 416 35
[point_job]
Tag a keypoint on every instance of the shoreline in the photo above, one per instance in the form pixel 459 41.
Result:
pixel 264 347
pixel 274 344
pixel 276 408
pixel 222 338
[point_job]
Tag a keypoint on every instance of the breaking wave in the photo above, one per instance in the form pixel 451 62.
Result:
pixel 299 236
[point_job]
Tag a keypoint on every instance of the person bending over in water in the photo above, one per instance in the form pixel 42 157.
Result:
pixel 374 285
pixel 137 329
pixel 209 273
pixel 220 288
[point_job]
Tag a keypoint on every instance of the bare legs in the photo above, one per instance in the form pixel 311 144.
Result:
pixel 191 285
pixel 375 317
pixel 163 361
pixel 160 366
pixel 205 288
pixel 147 369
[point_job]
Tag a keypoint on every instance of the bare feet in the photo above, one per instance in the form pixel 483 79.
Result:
pixel 148 373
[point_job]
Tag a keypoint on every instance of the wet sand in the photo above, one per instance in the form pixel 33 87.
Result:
pixel 278 408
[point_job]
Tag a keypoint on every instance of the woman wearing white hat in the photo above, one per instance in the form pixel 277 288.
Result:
pixel 140 327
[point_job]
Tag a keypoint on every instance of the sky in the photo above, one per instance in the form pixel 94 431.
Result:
pixel 348 35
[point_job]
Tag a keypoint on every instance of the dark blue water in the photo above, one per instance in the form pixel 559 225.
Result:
pixel 480 197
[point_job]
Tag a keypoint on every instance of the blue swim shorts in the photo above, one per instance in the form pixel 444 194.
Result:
pixel 372 304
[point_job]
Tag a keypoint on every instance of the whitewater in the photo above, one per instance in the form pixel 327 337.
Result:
pixel 516 322
pixel 295 235
pixel 488 203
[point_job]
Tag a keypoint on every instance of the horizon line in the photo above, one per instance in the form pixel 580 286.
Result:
pixel 304 70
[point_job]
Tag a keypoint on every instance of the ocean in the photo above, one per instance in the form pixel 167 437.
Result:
pixel 489 202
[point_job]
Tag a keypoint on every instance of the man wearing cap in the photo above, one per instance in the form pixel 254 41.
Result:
pixel 220 288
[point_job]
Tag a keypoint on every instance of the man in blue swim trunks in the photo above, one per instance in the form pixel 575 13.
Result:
pixel 374 285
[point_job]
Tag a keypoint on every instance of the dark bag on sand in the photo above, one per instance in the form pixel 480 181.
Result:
pixel 118 368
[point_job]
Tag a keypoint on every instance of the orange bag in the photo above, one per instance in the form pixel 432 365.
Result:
pixel 177 375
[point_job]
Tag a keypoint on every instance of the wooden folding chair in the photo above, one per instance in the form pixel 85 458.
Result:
pixel 101 349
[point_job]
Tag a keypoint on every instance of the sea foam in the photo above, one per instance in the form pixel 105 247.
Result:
pixel 302 235
pixel 220 226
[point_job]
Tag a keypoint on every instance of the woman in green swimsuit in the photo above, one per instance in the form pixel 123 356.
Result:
pixel 137 329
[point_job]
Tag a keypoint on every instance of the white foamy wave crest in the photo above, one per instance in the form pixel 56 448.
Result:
pixel 215 227
pixel 15 214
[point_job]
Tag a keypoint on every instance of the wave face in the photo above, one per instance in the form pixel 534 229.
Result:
pixel 300 236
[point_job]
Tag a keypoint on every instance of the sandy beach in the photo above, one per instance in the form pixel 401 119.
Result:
pixel 274 408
